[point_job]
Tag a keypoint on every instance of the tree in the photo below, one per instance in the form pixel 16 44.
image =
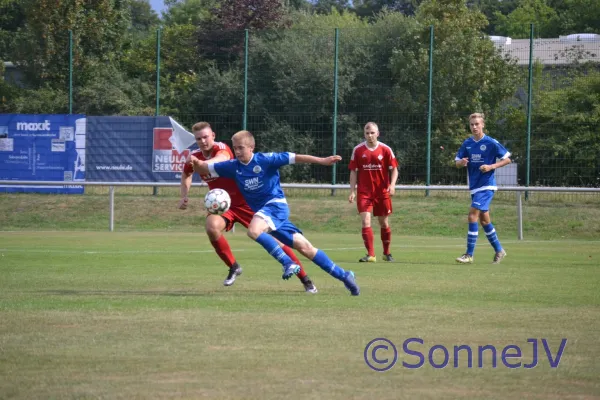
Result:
pixel 190 12
pixel 370 8
pixel 566 131
pixel 143 17
pixel 470 75
pixel 537 12
pixel 12 19
pixel 492 9
pixel 577 16
pixel 41 50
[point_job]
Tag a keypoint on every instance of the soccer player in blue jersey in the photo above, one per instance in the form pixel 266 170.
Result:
pixel 479 154
pixel 257 177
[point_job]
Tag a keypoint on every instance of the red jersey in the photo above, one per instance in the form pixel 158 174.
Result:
pixel 373 167
pixel 226 184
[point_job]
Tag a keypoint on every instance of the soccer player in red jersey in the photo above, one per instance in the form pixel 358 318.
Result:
pixel 238 212
pixel 374 169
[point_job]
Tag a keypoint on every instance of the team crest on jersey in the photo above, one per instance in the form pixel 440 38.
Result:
pixel 256 169
pixel 482 147
pixel 380 157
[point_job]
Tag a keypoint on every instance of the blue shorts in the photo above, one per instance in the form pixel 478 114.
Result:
pixel 482 200
pixel 276 216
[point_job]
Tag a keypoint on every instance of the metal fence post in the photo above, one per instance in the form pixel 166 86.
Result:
pixel 245 117
pixel 111 202
pixel 335 101
pixel 429 109
pixel 157 111
pixel 529 100
pixel 70 72
pixel 519 215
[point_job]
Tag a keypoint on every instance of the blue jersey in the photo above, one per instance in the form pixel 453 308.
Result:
pixel 258 180
pixel 482 152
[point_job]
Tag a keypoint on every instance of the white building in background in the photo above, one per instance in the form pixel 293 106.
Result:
pixel 563 50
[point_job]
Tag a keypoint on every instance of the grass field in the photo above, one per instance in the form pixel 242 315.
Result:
pixel 89 315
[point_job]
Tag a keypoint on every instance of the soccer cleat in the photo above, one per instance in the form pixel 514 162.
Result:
pixel 499 256
pixel 388 257
pixel 309 287
pixel 350 283
pixel 289 270
pixel 368 258
pixel 465 259
pixel 234 272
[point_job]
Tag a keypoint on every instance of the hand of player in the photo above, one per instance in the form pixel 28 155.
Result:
pixel 392 190
pixel 190 160
pixel 183 203
pixel 351 197
pixel 331 160
pixel 464 161
pixel 486 168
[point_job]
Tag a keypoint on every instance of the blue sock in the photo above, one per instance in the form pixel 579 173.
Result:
pixel 472 237
pixel 490 232
pixel 323 261
pixel 273 248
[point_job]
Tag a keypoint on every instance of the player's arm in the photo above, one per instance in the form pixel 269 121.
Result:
pixel 499 164
pixel 393 180
pixel 184 189
pixel 220 157
pixel 461 159
pixel 200 167
pixel 306 159
pixel 353 180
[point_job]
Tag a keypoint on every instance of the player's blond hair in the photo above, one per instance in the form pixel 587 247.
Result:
pixel 477 115
pixel 245 136
pixel 198 126
pixel 372 124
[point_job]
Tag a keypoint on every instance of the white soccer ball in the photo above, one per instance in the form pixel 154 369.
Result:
pixel 217 201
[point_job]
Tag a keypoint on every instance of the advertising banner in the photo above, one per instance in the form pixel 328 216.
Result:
pixel 43 148
pixel 136 149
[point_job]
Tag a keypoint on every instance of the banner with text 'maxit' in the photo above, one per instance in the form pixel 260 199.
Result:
pixel 136 149
pixel 43 148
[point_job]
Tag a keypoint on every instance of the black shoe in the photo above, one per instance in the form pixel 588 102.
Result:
pixel 234 272
pixel 388 257
pixel 309 287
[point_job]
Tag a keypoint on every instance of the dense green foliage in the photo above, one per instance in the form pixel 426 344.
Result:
pixel 383 72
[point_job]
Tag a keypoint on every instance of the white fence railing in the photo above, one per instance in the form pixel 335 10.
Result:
pixel 111 185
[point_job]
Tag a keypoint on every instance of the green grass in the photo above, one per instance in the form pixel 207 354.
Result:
pixel 545 216
pixel 144 315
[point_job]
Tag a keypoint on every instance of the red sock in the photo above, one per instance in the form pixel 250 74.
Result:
pixel 386 239
pixel 223 250
pixel 367 235
pixel 292 255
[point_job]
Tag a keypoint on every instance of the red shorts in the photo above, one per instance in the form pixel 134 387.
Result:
pixel 241 214
pixel 380 206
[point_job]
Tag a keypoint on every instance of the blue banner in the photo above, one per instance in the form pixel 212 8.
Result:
pixel 133 149
pixel 43 148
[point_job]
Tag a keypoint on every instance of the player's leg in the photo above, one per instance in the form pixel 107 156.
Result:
pixel 215 225
pixel 288 232
pixel 243 215
pixel 308 284
pixel 386 237
pixel 257 230
pixel 382 210
pixel 490 231
pixel 365 207
pixel 472 234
